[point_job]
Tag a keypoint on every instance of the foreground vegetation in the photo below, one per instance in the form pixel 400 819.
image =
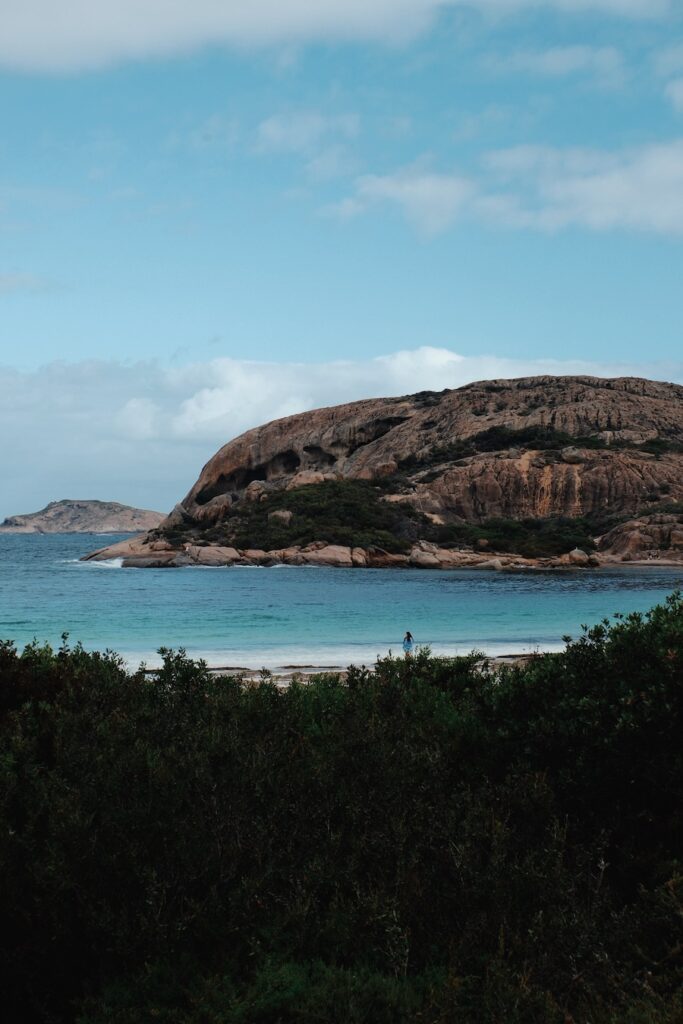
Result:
pixel 426 842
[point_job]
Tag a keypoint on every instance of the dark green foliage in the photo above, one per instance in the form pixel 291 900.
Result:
pixel 496 439
pixel 347 512
pixel 661 446
pixel 672 508
pixel 351 512
pixel 532 538
pixel 427 841
pixel 535 437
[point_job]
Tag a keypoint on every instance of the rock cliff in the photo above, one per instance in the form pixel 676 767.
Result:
pixel 424 437
pixel 534 448
pixel 83 517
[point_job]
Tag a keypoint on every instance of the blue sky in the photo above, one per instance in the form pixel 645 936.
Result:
pixel 193 195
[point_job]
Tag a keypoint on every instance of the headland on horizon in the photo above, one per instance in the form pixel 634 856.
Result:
pixel 83 516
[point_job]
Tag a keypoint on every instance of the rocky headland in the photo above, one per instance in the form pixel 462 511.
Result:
pixel 535 472
pixel 69 516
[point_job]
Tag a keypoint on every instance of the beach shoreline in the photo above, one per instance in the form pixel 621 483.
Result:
pixel 286 674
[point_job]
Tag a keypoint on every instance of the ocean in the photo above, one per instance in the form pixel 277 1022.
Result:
pixel 296 615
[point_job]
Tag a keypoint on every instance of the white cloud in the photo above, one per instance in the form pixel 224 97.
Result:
pixel 41 35
pixel 303 131
pixel 140 434
pixel 543 188
pixel 549 188
pixel 431 202
pixel 139 419
pixel 603 63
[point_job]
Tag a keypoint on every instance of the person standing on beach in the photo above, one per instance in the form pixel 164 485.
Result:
pixel 408 644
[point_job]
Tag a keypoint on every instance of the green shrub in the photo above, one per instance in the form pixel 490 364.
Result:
pixel 430 840
pixel 347 512
pixel 531 538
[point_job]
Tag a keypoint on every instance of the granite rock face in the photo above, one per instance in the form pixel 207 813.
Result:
pixel 536 447
pixel 648 537
pixel 83 517
pixel 416 436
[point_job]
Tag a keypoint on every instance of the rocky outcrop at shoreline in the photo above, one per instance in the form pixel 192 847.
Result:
pixel 447 478
pixel 88 516
pixel 141 553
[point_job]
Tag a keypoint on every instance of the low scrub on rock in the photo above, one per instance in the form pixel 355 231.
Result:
pixel 497 439
pixel 531 538
pixel 352 513
pixel 348 512
pixel 427 841
pixel 534 437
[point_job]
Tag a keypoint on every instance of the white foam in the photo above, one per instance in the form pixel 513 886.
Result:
pixel 109 563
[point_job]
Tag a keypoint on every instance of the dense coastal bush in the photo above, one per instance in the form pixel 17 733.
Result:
pixel 427 841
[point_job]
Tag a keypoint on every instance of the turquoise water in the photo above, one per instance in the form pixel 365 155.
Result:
pixel 257 617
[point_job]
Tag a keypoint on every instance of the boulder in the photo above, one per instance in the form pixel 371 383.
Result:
pixel 305 478
pixel 331 554
pixel 578 557
pixel 178 517
pixel 211 555
pixel 255 491
pixel 359 557
pixel 424 559
pixel 378 559
pixel 159 561
pixel 290 556
pixel 134 547
pixel 450 559
pixel 255 556
pixel 213 510
pixel 646 537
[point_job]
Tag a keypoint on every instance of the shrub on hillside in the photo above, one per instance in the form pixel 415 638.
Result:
pixel 348 512
pixel 531 538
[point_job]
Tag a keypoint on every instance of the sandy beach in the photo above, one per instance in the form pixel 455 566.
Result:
pixel 283 675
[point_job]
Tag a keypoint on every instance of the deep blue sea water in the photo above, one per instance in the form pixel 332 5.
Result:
pixel 258 617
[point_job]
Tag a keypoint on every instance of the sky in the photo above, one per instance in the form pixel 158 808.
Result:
pixel 217 213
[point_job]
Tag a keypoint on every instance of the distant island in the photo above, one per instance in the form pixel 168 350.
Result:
pixel 502 474
pixel 68 516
